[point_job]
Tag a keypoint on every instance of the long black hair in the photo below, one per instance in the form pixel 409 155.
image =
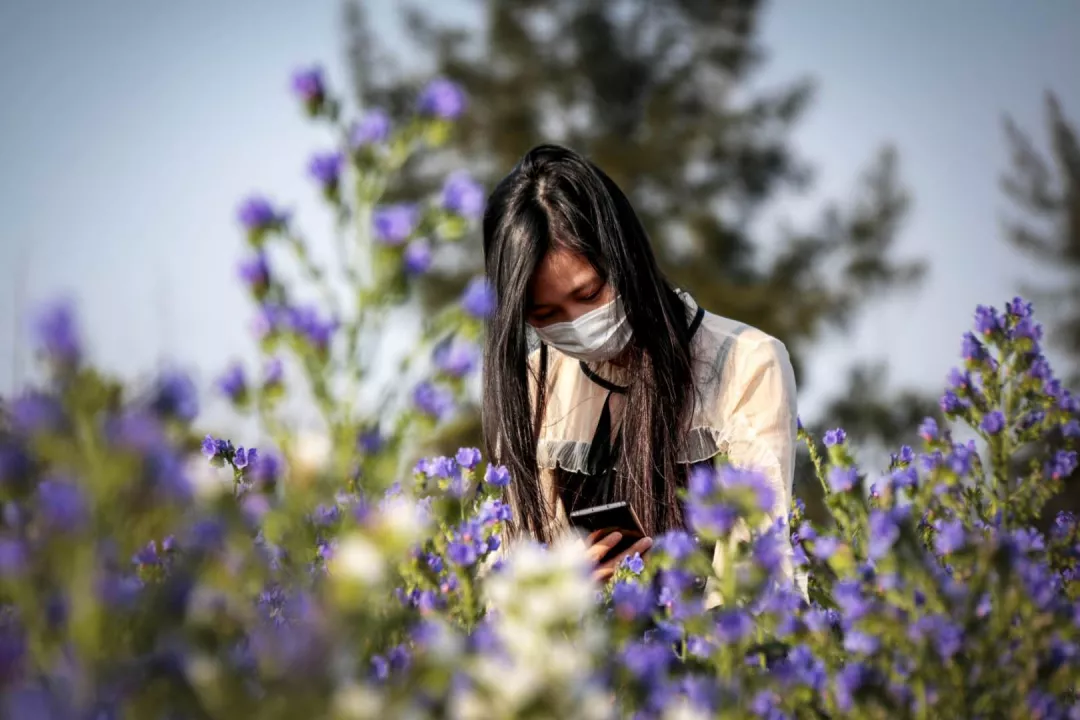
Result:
pixel 555 198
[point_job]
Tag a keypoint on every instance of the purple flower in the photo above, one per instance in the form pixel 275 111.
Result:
pixel 326 168
pixel 442 98
pixel 35 412
pixel 835 437
pixel 467 457
pixel 56 333
pixel 243 459
pixel 373 128
pixel 175 396
pixel 951 404
pixel 433 400
pixel 147 555
pixel 733 626
pixel 1028 329
pixel 256 213
pixel 928 431
pixel 417 257
pixel 394 224
pixel 631 600
pixel 308 84
pixel 973 350
pixel 646 660
pixel 1019 308
pixel 478 298
pixel 232 382
pixel 883 533
pixel 993 423
pixel 462 553
pixel 849 681
pixel 770 549
pixel 675 544
pixel 959 379
pixel 497 476
pixel 950 536
pixel 456 357
pixel 273 371
pixel 12 557
pixel 715 519
pixel 62 504
pixel 825 547
pixel 731 477
pixel 856 641
pixel 987 321
pixel 1061 465
pixel 634 563
pixel 463 195
pixel 842 479
pixel 370 440
pixel 255 272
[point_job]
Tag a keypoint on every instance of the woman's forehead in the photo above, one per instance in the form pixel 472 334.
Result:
pixel 559 274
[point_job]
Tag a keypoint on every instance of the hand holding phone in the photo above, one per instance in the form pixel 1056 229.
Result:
pixel 614 532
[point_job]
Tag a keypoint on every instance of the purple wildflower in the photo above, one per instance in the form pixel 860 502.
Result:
pixel 993 423
pixel 467 457
pixel 842 479
pixel 951 404
pixel 883 533
pixel 326 168
pixel 255 272
pixel 497 476
pixel 987 321
pixel 456 357
pixel 373 128
pixel 56 333
pixel 478 298
pixel 232 383
pixel 1019 308
pixel 733 626
pixel 442 98
pixel 950 536
pixel 256 213
pixel 394 224
pixel 175 396
pixel 1061 465
pixel 13 557
pixel 835 437
pixel 856 641
pixel 417 257
pixel 62 504
pixel 309 85
pixel 928 430
pixel 463 195
pixel 433 400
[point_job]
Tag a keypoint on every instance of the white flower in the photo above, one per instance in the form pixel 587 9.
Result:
pixel 311 454
pixel 357 558
pixel 357 702
pixel 202 670
pixel 402 520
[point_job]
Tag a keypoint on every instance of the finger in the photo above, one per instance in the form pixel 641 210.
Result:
pixel 641 546
pixel 602 547
pixel 595 535
pixel 602 574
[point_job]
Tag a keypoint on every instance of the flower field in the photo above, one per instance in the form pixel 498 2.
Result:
pixel 151 570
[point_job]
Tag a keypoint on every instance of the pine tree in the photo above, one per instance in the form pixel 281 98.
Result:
pixel 1045 189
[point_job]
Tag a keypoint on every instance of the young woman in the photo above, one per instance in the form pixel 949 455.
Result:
pixel 602 381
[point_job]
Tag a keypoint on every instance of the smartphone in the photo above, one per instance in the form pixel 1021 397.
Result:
pixel 616 516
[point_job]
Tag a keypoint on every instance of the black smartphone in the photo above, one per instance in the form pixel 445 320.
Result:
pixel 616 516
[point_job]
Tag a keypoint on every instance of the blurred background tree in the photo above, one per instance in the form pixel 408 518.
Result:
pixel 660 94
pixel 1044 190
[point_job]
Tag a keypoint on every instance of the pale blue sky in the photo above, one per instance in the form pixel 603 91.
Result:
pixel 131 129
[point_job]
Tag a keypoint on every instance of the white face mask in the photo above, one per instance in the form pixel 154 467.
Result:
pixel 596 336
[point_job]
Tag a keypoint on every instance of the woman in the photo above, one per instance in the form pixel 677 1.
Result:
pixel 632 382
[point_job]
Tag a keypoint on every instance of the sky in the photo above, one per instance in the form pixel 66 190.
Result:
pixel 131 130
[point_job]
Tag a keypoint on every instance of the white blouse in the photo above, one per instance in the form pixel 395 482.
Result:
pixel 743 407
